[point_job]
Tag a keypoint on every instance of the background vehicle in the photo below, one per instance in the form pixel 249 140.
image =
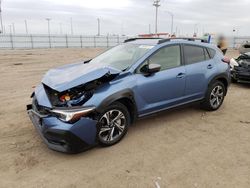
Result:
pixel 82 104
pixel 244 47
pixel 240 68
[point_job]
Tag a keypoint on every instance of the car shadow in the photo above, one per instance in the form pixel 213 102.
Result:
pixel 242 85
pixel 150 123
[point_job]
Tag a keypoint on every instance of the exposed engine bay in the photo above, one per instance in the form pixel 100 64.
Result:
pixel 76 96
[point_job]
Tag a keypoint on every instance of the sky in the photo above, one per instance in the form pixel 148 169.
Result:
pixel 129 17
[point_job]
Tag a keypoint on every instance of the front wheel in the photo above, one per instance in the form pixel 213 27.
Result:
pixel 113 124
pixel 214 96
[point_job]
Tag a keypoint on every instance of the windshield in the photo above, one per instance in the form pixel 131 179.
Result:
pixel 121 57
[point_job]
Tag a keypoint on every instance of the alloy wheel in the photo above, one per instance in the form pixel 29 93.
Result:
pixel 216 96
pixel 113 124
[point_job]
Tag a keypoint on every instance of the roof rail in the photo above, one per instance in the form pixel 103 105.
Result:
pixel 183 38
pixel 140 38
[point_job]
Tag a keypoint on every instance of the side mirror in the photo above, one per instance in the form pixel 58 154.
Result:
pixel 153 68
pixel 150 69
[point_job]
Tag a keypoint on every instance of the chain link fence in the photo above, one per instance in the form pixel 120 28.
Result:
pixel 9 41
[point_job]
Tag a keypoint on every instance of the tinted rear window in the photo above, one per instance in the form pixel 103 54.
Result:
pixel 193 54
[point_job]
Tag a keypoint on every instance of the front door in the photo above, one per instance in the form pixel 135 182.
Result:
pixel 162 89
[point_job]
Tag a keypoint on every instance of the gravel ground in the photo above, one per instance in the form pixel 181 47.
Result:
pixel 187 147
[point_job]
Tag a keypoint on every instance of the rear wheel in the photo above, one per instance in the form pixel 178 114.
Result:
pixel 214 96
pixel 113 124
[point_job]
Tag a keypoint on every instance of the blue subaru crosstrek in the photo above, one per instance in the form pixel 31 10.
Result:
pixel 80 105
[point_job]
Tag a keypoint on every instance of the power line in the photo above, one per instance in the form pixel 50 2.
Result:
pixel 156 4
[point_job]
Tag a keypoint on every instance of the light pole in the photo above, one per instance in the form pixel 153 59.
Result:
pixel 71 26
pixel 172 21
pixel 196 29
pixel 10 29
pixel 1 19
pixel 48 19
pixel 98 27
pixel 156 5
pixel 14 29
pixel 26 27
pixel 61 32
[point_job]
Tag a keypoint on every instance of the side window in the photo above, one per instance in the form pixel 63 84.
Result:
pixel 168 57
pixel 193 54
pixel 211 52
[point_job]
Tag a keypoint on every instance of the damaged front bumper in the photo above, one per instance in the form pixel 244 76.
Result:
pixel 62 136
pixel 241 74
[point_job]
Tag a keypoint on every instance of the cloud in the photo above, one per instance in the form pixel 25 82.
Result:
pixel 128 16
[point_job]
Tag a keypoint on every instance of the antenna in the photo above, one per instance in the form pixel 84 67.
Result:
pixel 156 5
pixel 1 19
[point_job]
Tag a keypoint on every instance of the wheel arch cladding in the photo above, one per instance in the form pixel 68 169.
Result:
pixel 222 78
pixel 126 97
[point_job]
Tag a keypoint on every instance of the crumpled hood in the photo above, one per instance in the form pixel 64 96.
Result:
pixel 70 76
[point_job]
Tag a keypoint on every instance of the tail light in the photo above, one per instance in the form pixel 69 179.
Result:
pixel 226 60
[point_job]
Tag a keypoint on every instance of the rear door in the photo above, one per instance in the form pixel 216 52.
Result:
pixel 199 66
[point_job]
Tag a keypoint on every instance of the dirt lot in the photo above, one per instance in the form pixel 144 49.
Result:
pixel 182 148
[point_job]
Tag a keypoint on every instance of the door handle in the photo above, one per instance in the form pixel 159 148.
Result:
pixel 180 75
pixel 210 66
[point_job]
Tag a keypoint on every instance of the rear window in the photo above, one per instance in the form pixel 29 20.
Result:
pixel 193 54
pixel 211 52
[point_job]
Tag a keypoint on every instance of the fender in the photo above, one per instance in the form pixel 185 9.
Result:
pixel 126 93
pixel 123 94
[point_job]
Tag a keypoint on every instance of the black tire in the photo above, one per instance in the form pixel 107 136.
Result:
pixel 105 129
pixel 208 103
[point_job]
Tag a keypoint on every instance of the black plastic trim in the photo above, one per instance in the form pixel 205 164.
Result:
pixel 221 76
pixel 139 38
pixel 124 94
pixel 183 38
